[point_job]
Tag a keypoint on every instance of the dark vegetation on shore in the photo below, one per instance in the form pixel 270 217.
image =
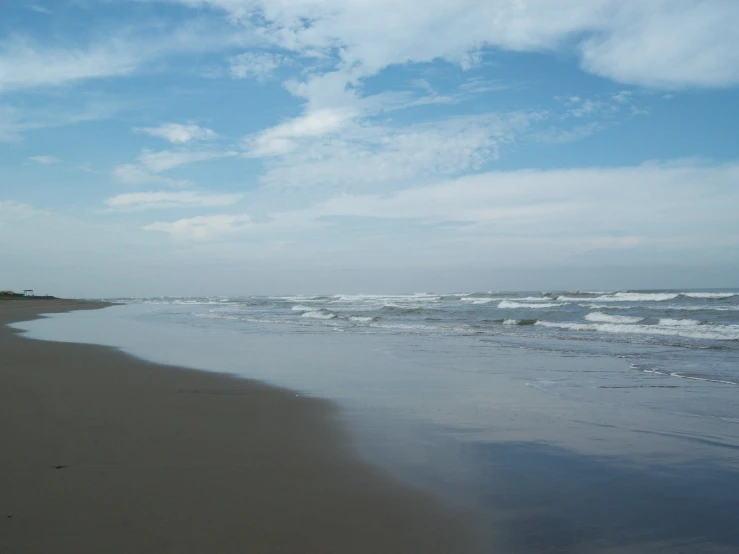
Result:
pixel 10 295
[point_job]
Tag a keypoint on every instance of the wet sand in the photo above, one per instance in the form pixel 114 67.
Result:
pixel 102 452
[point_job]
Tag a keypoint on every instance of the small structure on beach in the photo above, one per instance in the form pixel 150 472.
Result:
pixel 28 292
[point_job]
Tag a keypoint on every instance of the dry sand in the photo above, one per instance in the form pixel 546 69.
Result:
pixel 104 453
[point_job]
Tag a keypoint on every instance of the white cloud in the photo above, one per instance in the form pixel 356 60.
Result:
pixel 668 44
pixel 44 160
pixel 17 211
pixel 131 174
pixel 169 159
pixel 202 227
pixel 40 9
pixel 560 136
pixel 159 199
pixel 14 121
pixel 259 65
pixel 380 156
pixel 658 212
pixel 282 138
pixel 660 43
pixel 27 63
pixel 622 97
pixel 657 200
pixel 177 133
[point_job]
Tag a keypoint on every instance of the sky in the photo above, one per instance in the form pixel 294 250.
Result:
pixel 204 147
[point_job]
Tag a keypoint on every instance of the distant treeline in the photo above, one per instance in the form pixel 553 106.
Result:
pixel 11 294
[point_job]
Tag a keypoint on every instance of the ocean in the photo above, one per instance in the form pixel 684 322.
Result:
pixel 563 420
pixel 680 334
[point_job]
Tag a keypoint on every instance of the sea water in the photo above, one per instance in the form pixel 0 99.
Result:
pixel 563 418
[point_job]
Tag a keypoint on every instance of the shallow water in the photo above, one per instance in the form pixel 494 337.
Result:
pixel 561 438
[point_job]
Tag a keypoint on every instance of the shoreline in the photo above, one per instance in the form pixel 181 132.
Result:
pixel 109 453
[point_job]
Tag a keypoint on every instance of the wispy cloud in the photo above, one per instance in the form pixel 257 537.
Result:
pixel 44 160
pixel 27 62
pixel 169 159
pixel 15 121
pixel 132 174
pixel 203 227
pixel 282 138
pixel 27 65
pixel 660 44
pixel 178 133
pixel 159 200
pixel 257 65
pixel 513 216
pixel 382 156
pixel 40 9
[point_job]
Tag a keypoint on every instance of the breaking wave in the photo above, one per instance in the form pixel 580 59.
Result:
pixel 628 297
pixel 319 314
pixel 694 331
pixel 600 317
pixel 716 295
pixel 507 304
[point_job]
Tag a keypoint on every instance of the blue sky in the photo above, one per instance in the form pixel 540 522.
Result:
pixel 263 146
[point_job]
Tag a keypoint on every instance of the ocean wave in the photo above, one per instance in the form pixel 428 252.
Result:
pixel 421 297
pixel 361 319
pixel 663 308
pixel 706 332
pixel 319 314
pixel 400 309
pixel 709 295
pixel 299 298
pixel 600 317
pixel 682 376
pixel 628 297
pixel 477 300
pixel 507 304
pixel 608 307
pixel 679 322
pixel 300 308
pixel 413 327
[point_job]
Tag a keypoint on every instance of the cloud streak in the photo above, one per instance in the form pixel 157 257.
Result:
pixel 203 227
pixel 178 133
pixel 44 160
pixel 161 200
pixel 656 43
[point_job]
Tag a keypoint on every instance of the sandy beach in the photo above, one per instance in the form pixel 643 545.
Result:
pixel 103 452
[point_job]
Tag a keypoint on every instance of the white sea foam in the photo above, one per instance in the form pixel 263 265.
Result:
pixel 681 376
pixel 298 298
pixel 507 304
pixel 679 322
pixel 605 307
pixel 662 307
pixel 717 295
pixel 710 332
pixel 510 322
pixel 408 327
pixel 320 314
pixel 628 297
pixel 474 300
pixel 693 378
pixel 402 298
pixel 360 319
pixel 300 308
pixel 600 317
